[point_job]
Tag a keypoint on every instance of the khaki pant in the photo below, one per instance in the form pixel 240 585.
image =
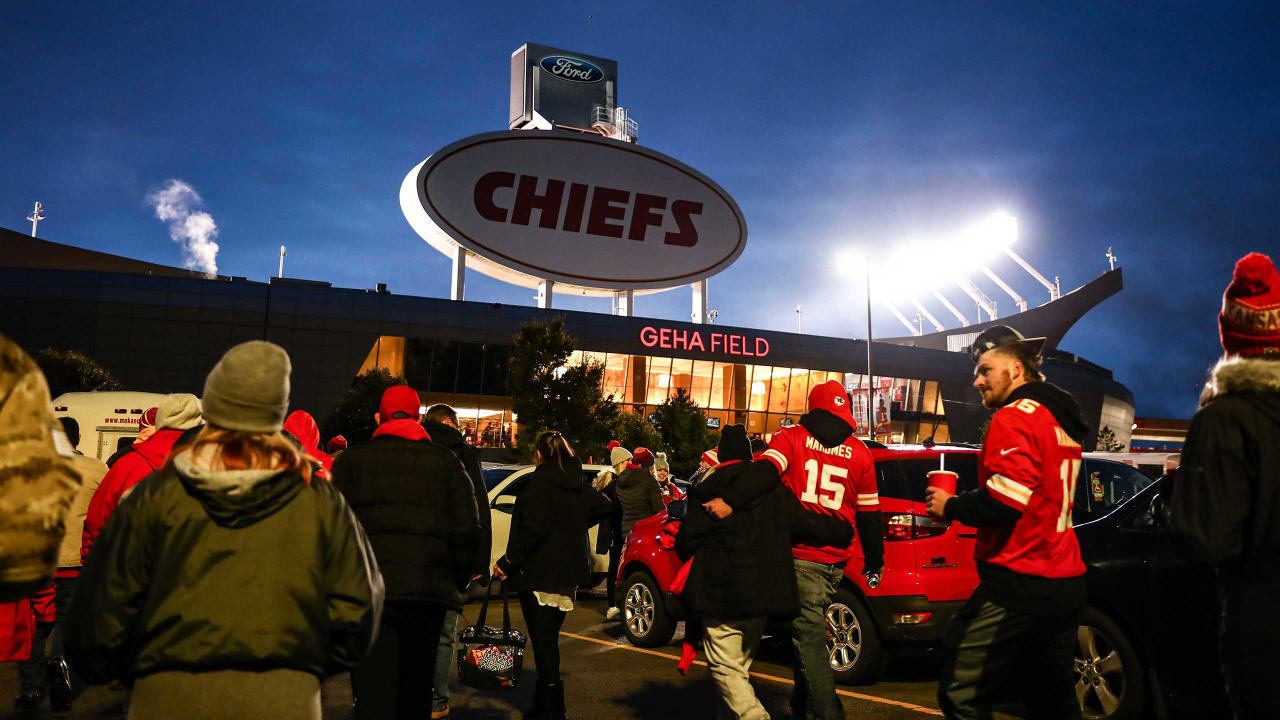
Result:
pixel 730 646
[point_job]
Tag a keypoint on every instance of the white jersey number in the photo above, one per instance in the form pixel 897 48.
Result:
pixel 822 479
pixel 1070 472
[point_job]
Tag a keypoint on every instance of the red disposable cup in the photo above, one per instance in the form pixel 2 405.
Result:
pixel 943 480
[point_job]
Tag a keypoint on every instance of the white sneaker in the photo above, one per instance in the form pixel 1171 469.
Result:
pixel 612 613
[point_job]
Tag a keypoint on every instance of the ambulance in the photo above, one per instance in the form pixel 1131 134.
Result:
pixel 108 420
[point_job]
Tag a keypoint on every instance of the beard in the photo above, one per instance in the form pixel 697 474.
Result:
pixel 997 391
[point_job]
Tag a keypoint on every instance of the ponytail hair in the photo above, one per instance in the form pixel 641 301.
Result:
pixel 552 446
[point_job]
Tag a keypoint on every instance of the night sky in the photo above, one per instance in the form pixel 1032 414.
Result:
pixel 1152 129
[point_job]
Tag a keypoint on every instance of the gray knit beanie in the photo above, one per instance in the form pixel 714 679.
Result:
pixel 248 389
pixel 660 463
pixel 179 411
pixel 619 455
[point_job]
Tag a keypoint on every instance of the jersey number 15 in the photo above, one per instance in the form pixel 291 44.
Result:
pixel 819 483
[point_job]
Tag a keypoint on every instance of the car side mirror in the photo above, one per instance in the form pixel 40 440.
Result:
pixel 504 504
pixel 1159 511
pixel 677 510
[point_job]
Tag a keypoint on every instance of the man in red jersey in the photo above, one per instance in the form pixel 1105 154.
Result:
pixel 831 471
pixel 1016 636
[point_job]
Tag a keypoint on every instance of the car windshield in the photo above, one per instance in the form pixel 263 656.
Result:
pixel 493 476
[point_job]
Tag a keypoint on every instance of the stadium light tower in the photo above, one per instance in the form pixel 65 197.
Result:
pixel 1002 229
pixel 947 304
pixel 35 217
pixel 901 318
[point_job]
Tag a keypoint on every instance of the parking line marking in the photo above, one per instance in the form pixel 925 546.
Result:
pixel 762 676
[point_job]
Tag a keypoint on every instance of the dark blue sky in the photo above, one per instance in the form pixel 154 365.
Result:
pixel 1151 129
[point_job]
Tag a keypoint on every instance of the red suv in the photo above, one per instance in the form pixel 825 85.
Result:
pixel 929 569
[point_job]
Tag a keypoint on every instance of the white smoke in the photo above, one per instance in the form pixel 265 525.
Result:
pixel 176 204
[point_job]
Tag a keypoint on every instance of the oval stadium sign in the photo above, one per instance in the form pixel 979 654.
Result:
pixel 572 69
pixel 584 211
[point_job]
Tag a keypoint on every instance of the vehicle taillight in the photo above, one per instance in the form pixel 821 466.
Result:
pixel 906 526
pixel 918 618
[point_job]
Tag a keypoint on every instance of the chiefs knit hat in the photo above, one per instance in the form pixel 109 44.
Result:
pixel 179 411
pixel 248 389
pixel 618 454
pixel 1249 323
pixel 399 398
pixel 734 444
pixel 710 457
pixel 642 457
pixel 830 396
pixel 337 442
pixel 148 418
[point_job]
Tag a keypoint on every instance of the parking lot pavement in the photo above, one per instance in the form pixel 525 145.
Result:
pixel 606 678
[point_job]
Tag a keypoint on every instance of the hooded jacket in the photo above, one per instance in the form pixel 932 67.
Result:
pixel 1226 498
pixel 742 565
pixel 638 496
pixel 142 459
pixel 302 426
pixel 547 547
pixel 449 437
pixel 417 504
pixel 206 570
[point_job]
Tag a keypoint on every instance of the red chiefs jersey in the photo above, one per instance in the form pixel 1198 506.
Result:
pixel 837 481
pixel 1030 464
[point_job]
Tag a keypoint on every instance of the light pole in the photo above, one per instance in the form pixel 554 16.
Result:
pixel 35 217
pixel 870 379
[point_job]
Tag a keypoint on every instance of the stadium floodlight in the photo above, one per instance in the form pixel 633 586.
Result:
pixel 1017 299
pixel 1000 230
pixel 978 296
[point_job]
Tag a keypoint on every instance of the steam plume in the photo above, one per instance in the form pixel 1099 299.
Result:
pixel 177 204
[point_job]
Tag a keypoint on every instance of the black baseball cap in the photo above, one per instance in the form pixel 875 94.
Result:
pixel 998 336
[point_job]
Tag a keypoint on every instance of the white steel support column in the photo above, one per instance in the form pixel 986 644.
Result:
pixel 545 289
pixel 1051 287
pixel 699 315
pixel 624 302
pixel 457 289
pixel 901 318
pixel 1017 299
pixel 959 315
pixel 921 309
pixel 974 292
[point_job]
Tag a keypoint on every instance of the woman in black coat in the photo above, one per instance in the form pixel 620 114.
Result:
pixel 547 556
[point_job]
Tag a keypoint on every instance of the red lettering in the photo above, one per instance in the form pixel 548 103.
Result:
pixel 682 210
pixel 734 346
pixel 759 342
pixel 714 338
pixel 643 215
pixel 745 350
pixel 528 200
pixel 665 334
pixel 695 342
pixel 573 211
pixel 648 337
pixel 605 207
pixel 486 186
pixel 680 340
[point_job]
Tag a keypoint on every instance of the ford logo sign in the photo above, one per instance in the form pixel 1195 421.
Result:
pixel 572 69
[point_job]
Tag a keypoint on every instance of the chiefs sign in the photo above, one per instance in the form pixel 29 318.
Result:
pixel 578 209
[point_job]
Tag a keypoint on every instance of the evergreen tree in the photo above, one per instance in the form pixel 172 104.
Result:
pixel 634 430
pixel 549 394
pixel 353 417
pixel 70 371
pixel 1107 441
pixel 683 426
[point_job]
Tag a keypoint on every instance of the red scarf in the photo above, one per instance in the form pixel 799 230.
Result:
pixel 402 428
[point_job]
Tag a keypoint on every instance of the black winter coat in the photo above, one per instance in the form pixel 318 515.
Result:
pixel 742 565
pixel 196 576
pixel 417 504
pixel 1226 498
pixel 610 532
pixel 547 548
pixel 447 436
pixel 638 496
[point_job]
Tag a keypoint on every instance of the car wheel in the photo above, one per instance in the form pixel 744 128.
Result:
pixel 1109 682
pixel 644 612
pixel 853 642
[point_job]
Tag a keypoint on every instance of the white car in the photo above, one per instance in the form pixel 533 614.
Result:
pixel 505 483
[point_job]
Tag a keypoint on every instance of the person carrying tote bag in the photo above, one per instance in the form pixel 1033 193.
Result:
pixel 546 553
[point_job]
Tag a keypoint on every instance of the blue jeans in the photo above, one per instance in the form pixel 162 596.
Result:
pixel 444 661
pixel 815 689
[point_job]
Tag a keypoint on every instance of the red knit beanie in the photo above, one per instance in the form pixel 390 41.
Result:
pixel 642 457
pixel 148 418
pixel 1249 323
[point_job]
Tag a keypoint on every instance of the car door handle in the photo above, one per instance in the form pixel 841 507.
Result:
pixel 967 535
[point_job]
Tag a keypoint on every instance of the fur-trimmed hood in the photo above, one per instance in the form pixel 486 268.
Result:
pixel 1235 375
